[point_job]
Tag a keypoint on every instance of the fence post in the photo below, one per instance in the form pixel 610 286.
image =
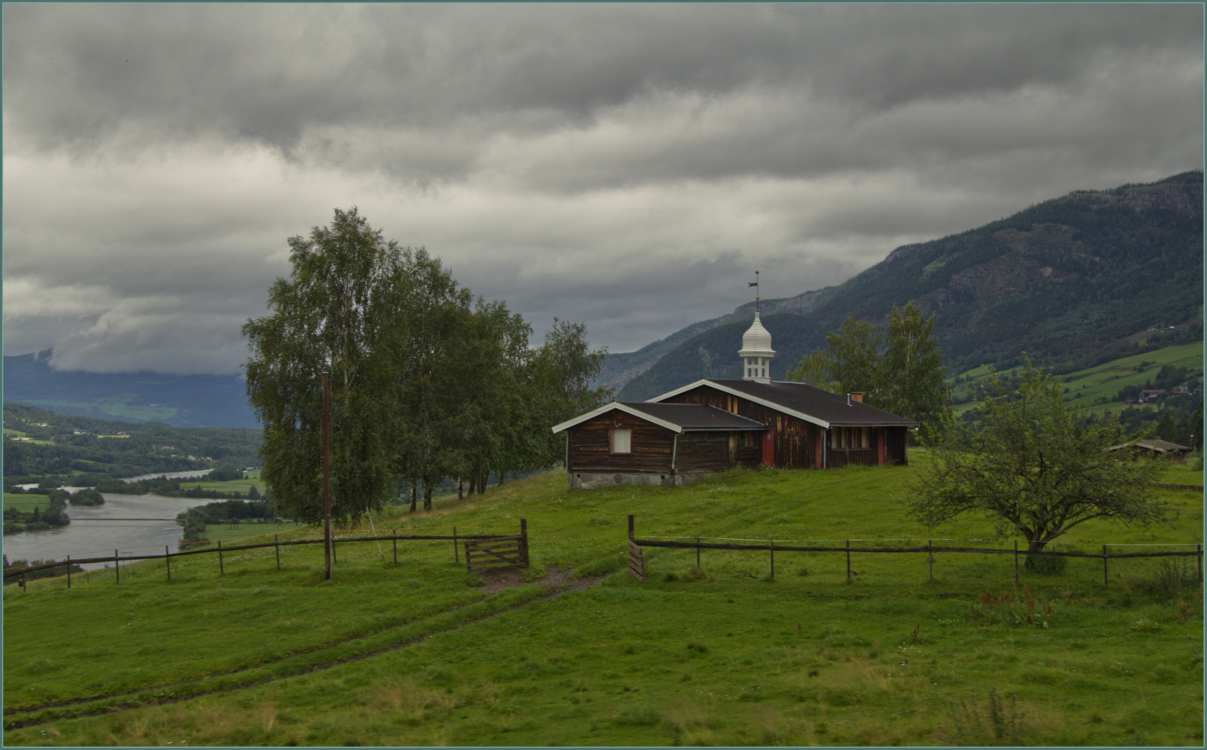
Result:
pixel 456 554
pixel 848 561
pixel 930 559
pixel 772 559
pixel 221 570
pixel 117 569
pixel 697 553
pixel 1015 562
pixel 1105 580
pixel 524 538
pixel 69 572
pixel 630 526
pixel 276 545
pixel 334 557
pixel 167 560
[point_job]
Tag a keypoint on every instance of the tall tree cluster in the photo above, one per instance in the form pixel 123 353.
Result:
pixel 428 382
pixel 900 371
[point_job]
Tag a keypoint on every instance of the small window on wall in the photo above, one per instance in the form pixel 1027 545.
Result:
pixel 748 440
pixel 863 438
pixel 622 440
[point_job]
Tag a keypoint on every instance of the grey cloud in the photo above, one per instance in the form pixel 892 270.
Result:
pixel 624 165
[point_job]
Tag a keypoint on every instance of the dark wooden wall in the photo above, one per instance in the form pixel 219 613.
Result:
pixel 894 446
pixel 591 449
pixel 795 439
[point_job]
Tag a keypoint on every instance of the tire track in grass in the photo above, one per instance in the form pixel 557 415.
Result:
pixel 215 685
pixel 13 711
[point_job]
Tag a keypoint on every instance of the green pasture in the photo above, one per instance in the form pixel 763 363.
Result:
pixel 424 654
pixel 1084 387
pixel 25 503
pixel 251 532
pixel 11 433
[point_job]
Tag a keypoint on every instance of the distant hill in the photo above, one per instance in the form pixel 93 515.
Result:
pixel 1071 282
pixel 177 400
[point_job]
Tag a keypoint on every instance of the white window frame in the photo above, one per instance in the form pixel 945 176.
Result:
pixel 628 439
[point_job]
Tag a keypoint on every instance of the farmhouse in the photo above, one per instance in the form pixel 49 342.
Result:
pixel 713 424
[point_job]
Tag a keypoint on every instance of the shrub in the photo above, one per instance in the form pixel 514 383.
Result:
pixel 999 722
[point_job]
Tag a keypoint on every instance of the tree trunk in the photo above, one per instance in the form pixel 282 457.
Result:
pixel 501 475
pixel 460 489
pixel 414 495
pixel 427 494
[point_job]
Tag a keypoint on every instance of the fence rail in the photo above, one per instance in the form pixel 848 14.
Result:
pixel 772 546
pixel 117 559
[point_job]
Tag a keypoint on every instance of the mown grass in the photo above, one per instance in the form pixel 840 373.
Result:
pixel 716 656
pixel 25 503
pixel 248 533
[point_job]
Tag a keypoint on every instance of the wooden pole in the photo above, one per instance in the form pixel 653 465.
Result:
pixel 456 554
pixel 69 571
pixel 395 552
pixel 697 553
pixel 327 543
pixel 848 561
pixel 930 560
pixel 221 570
pixel 276 543
pixel 1015 562
pixel 524 538
pixel 772 559
pixel 1105 580
pixel 117 569
pixel 167 560
pixel 630 526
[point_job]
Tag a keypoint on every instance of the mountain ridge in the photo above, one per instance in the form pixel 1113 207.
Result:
pixel 1066 281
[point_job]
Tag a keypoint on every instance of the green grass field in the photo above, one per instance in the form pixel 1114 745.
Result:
pixel 25 503
pixel 248 531
pixel 423 654
pixel 1084 387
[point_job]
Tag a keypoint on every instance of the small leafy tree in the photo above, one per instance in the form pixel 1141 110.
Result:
pixel 1034 468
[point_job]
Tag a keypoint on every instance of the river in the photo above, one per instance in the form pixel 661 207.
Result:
pixel 95 531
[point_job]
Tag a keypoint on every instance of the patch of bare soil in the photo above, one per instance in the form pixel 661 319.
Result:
pixel 556 581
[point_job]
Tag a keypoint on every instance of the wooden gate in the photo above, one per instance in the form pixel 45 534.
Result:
pixel 636 561
pixel 498 553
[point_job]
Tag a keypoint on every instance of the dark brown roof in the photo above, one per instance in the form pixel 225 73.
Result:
pixel 805 399
pixel 695 417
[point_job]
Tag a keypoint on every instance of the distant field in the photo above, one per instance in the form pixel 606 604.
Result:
pixel 1086 386
pixel 247 531
pixel 25 503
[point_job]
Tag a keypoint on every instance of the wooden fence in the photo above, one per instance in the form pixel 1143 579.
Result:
pixel 117 559
pixel 637 567
pixel 498 553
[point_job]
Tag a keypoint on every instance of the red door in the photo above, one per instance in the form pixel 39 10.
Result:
pixel 769 448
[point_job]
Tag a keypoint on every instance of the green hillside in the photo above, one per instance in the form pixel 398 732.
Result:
pixel 1071 282
pixel 40 443
pixel 423 654
pixel 1096 389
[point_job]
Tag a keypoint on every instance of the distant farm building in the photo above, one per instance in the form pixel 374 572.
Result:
pixel 714 424
pixel 1155 449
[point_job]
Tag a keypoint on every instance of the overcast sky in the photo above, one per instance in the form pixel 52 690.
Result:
pixel 628 166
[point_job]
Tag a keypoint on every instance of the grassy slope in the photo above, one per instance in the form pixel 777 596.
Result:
pixel 25 502
pixel 723 658
pixel 1084 387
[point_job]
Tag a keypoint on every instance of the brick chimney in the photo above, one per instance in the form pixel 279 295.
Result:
pixel 857 397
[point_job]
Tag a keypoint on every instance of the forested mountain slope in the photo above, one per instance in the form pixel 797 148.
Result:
pixel 1070 282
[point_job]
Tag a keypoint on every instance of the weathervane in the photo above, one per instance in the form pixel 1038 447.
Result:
pixel 755 284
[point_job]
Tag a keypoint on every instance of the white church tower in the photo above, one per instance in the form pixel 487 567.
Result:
pixel 756 352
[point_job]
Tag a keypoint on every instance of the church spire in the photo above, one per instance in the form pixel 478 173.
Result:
pixel 756 351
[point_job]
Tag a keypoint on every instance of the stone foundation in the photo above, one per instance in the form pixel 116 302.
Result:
pixel 583 480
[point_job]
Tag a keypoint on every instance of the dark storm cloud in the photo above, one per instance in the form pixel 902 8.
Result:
pixel 624 165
